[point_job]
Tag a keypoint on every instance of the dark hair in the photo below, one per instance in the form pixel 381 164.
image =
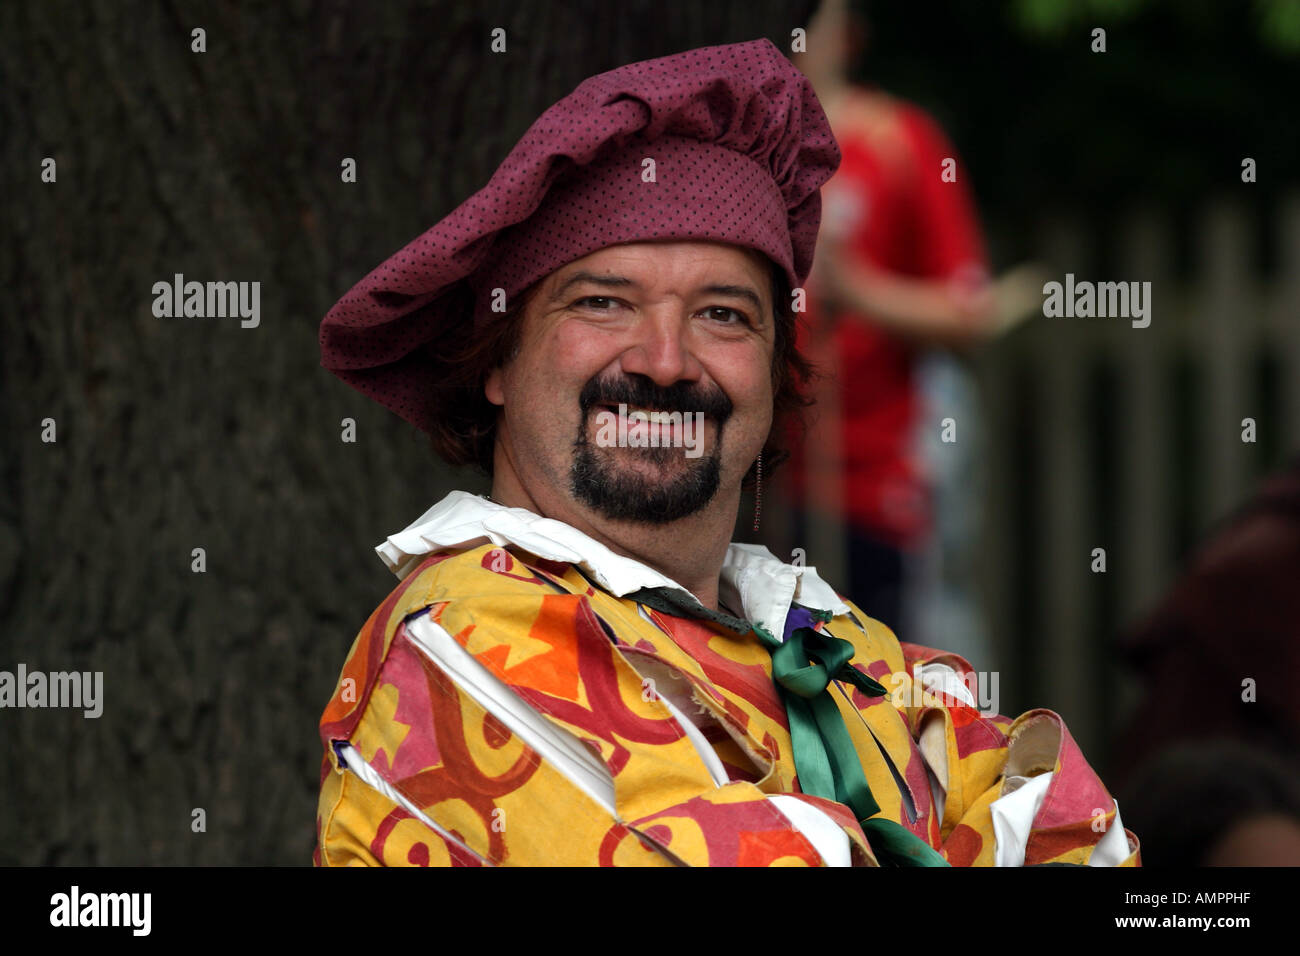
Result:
pixel 464 431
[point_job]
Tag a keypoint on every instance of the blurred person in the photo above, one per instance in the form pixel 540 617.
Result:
pixel 1216 801
pixel 900 281
pixel 1208 762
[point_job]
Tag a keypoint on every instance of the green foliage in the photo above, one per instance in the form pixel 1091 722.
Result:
pixel 1276 23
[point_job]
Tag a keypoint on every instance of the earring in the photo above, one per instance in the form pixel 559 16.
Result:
pixel 758 492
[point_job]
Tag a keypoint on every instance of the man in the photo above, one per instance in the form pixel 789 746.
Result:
pixel 583 670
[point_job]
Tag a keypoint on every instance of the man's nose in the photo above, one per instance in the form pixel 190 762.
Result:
pixel 661 348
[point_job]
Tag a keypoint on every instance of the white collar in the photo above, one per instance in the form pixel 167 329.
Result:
pixel 752 578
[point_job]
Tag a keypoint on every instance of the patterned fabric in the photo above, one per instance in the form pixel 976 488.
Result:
pixel 571 652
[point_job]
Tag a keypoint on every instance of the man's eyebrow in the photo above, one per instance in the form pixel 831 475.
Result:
pixel 736 291
pixel 607 281
pixel 617 282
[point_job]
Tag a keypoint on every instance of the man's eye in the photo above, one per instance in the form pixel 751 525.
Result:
pixel 601 303
pixel 724 314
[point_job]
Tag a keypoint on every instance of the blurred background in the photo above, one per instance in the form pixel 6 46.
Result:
pixel 1072 434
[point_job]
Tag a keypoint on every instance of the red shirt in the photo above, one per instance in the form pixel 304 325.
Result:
pixel 890 202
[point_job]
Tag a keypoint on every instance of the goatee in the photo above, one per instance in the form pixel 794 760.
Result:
pixel 631 495
pixel 623 493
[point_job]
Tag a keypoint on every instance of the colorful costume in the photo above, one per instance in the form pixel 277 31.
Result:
pixel 426 761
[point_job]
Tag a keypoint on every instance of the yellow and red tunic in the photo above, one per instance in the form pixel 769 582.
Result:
pixel 420 770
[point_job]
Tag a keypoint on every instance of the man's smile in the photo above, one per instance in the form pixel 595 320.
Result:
pixel 634 426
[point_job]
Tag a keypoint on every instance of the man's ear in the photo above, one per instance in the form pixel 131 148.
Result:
pixel 492 387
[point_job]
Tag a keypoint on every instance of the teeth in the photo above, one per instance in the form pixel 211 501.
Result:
pixel 654 417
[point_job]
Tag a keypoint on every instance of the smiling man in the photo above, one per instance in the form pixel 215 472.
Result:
pixel 583 669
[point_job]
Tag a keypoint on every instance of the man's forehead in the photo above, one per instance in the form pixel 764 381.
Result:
pixel 699 263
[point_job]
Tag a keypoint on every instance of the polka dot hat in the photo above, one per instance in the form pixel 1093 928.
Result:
pixel 739 148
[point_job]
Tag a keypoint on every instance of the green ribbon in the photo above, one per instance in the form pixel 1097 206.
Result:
pixel 803 666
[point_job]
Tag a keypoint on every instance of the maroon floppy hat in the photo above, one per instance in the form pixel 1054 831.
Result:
pixel 740 147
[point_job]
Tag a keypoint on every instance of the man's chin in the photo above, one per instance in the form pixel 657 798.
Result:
pixel 660 464
pixel 645 485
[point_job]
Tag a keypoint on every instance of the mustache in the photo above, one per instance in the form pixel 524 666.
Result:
pixel 641 392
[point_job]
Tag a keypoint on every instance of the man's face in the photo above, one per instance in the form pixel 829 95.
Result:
pixel 624 335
